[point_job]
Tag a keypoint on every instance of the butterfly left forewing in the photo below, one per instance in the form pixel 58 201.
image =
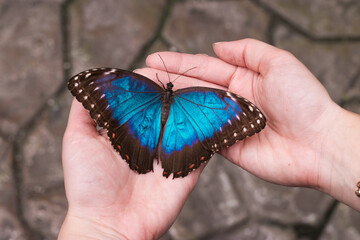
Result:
pixel 137 139
pixel 203 121
pixel 127 105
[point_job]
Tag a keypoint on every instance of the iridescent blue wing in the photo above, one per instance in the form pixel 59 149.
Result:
pixel 129 106
pixel 203 121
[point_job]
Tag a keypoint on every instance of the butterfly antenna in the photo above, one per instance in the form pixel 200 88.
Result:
pixel 165 67
pixel 157 76
pixel 182 74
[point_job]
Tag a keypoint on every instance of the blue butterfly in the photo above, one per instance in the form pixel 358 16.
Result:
pixel 182 128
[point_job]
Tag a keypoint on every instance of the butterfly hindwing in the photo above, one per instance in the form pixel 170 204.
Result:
pixel 129 106
pixel 203 121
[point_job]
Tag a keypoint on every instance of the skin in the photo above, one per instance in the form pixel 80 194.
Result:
pixel 308 141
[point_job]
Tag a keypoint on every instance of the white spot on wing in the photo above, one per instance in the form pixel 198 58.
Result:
pixel 229 121
pixel 258 121
pixel 76 78
pixel 244 129
pixel 76 84
pixel 237 116
pixel 80 91
pixel 85 97
pixel 87 75
pixel 92 105
pixel 102 96
pixel 260 115
pixel 252 126
pixel 251 108
pixel 96 88
pixel 235 134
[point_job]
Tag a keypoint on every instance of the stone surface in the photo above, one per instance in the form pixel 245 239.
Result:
pixel 10 228
pixel 158 46
pixel 111 33
pixel 166 236
pixel 195 25
pixel 30 60
pixel 45 213
pixel 44 202
pixel 228 203
pixel 35 1
pixel 275 203
pixel 7 185
pixel 213 206
pixel 322 18
pixel 334 64
pixel 351 99
pixel 256 231
pixel 353 105
pixel 344 224
pixel 42 167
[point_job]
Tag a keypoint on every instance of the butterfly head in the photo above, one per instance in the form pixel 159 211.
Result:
pixel 169 86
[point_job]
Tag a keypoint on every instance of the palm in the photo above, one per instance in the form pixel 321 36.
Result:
pixel 98 182
pixel 283 152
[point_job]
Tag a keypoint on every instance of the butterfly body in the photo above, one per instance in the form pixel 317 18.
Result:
pixel 182 128
pixel 167 98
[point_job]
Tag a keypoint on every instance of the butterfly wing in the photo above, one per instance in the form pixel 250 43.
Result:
pixel 129 106
pixel 203 121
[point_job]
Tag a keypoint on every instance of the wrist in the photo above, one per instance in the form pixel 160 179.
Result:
pixel 80 228
pixel 340 165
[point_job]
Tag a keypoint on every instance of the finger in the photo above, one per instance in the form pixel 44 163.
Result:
pixel 80 122
pixel 181 82
pixel 239 83
pixel 248 53
pixel 207 68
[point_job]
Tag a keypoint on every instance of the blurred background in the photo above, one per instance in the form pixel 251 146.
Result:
pixel 44 42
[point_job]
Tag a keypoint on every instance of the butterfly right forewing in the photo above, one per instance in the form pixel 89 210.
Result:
pixel 203 121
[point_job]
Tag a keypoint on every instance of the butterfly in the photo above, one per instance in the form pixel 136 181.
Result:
pixel 181 128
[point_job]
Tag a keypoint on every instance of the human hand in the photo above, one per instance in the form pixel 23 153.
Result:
pixel 106 199
pixel 300 144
